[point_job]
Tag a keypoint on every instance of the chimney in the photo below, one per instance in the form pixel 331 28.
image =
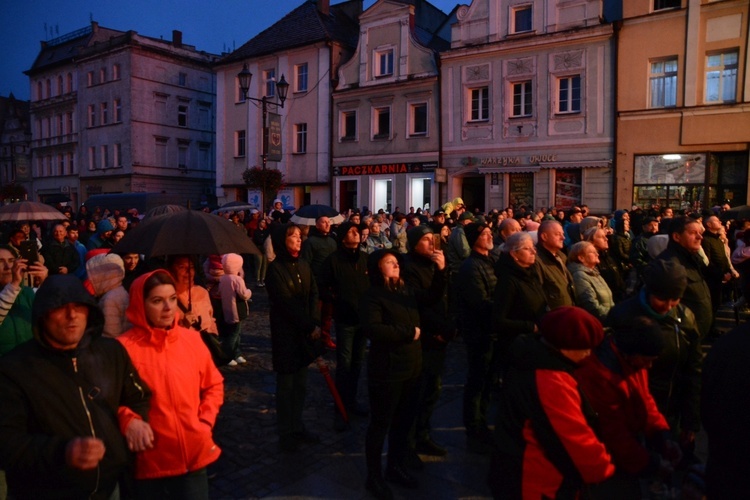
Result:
pixel 177 38
pixel 324 6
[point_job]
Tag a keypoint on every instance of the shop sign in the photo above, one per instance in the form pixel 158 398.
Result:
pixel 516 160
pixel 385 168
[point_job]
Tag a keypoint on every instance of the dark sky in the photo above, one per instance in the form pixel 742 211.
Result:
pixel 215 26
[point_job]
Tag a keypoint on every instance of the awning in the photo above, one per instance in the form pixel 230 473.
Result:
pixel 515 169
pixel 576 164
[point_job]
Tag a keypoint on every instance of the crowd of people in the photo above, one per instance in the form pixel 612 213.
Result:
pixel 584 332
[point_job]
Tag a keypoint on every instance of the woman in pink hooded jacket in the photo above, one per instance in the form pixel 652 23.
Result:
pixel 187 389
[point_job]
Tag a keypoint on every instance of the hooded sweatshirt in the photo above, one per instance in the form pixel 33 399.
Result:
pixel 231 286
pixel 44 406
pixel 188 391
pixel 106 273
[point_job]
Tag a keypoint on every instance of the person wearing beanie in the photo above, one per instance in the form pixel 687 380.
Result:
pixel 674 379
pixel 615 380
pixel 438 329
pixel 545 443
pixel 474 289
pixel 389 313
pixel 343 281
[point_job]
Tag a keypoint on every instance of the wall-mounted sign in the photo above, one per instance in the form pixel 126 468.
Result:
pixel 274 137
pixel 385 168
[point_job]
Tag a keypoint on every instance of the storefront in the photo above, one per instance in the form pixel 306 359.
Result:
pixel 387 186
pixel 690 180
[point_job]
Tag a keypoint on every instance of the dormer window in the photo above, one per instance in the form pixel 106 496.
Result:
pixel 384 62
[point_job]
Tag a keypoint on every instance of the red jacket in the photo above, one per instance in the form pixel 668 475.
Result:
pixel 187 390
pixel 626 409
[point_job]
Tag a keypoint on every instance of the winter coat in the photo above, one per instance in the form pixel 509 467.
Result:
pixel 612 273
pixel 188 392
pixel 546 445
pixel 294 312
pixel 626 409
pixel 106 273
pixel 388 319
pixel 557 282
pixel 518 303
pixel 43 407
pixel 639 256
pixel 725 405
pixel 198 302
pixel 343 280
pixel 97 240
pixel 377 242
pixel 697 296
pixel 718 262
pixel 592 292
pixel 398 236
pixel 57 255
pixel 457 250
pixel 419 272
pixel 674 379
pixel 315 249
pixel 475 284
pixel 232 287
pixel 15 316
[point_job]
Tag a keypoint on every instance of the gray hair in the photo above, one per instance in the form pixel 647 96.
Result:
pixel 516 240
pixel 577 250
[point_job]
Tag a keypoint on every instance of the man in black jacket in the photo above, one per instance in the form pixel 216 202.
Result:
pixel 66 396
pixel 343 280
pixel 60 257
pixel 437 330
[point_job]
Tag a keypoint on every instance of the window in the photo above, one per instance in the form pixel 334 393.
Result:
pixel 49 88
pixel 480 104
pixel 105 156
pixel 160 149
pixel 70 82
pixel 117 150
pixel 418 119
pixel 721 77
pixel 90 78
pixel 60 89
pixel 382 123
pixel 102 75
pixel 115 71
pixel 384 62
pixel 239 143
pixel 60 124
pixel 569 94
pixel 300 138
pixel 182 115
pixel 69 119
pixel 104 112
pixel 182 79
pixel 522 101
pixel 92 116
pixel 118 110
pixel 349 125
pixel 71 164
pixel 300 78
pixel 182 156
pixel 269 76
pixel 92 158
pixel 667 4
pixel 663 84
pixel 39 94
pixel 520 19
pixel 60 165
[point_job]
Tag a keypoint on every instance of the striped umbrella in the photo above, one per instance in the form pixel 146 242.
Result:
pixel 29 211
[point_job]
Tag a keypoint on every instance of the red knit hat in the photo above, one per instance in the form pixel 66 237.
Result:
pixel 572 328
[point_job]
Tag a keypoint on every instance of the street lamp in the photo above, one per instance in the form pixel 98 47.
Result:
pixel 282 88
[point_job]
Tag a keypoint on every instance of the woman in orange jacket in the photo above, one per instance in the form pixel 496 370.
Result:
pixel 187 393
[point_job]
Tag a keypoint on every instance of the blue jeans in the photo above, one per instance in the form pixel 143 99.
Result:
pixel 229 334
pixel 190 486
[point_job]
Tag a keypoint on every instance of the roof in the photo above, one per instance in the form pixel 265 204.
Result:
pixel 305 25
pixel 63 49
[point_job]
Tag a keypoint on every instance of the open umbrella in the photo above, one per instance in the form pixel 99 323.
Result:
pixel 163 209
pixel 235 206
pixel 29 211
pixel 186 232
pixel 308 214
pixel 736 213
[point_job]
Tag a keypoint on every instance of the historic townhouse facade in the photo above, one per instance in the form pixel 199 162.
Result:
pixel 15 141
pixel 527 105
pixel 683 103
pixel 115 111
pixel 386 143
pixel 306 47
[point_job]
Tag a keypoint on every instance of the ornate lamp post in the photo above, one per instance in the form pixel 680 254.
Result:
pixel 282 89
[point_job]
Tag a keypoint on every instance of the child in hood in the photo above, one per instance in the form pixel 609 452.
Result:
pixel 234 296
pixel 106 272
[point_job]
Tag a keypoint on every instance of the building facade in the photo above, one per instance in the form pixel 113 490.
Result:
pixel 527 93
pixel 116 112
pixel 306 47
pixel 15 145
pixel 386 143
pixel 683 104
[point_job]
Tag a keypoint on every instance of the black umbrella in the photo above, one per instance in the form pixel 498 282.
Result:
pixel 736 213
pixel 163 209
pixel 307 215
pixel 186 232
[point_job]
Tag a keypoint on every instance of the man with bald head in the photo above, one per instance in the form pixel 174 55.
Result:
pixel 719 270
pixel 557 282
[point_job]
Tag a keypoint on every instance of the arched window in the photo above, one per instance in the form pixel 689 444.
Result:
pixel 60 90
